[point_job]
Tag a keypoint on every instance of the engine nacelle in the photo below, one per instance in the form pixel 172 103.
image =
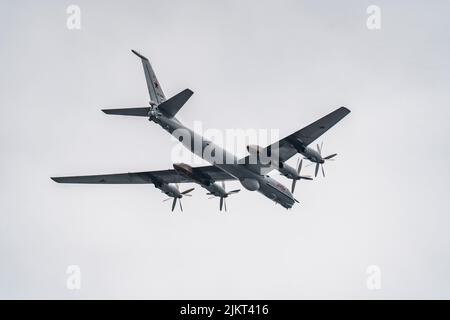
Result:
pixel 187 171
pixel 287 170
pixel 183 168
pixel 250 184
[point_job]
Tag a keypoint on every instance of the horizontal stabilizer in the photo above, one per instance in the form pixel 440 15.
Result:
pixel 137 112
pixel 173 105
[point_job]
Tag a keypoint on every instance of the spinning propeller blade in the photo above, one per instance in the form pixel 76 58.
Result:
pixel 185 192
pixel 327 158
pixel 294 181
pixel 223 203
pixel 174 203
pixel 178 198
pixel 299 176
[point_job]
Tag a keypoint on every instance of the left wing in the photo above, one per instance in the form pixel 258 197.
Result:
pixel 146 177
pixel 306 135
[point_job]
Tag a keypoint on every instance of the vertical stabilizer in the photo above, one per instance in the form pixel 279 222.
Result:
pixel 154 88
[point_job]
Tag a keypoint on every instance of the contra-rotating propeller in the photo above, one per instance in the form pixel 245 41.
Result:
pixel 223 202
pixel 330 157
pixel 181 194
pixel 298 177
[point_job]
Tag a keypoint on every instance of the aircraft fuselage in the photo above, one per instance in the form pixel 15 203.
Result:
pixel 225 161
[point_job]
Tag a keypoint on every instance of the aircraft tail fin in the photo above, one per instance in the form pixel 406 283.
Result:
pixel 171 106
pixel 154 88
pixel 157 98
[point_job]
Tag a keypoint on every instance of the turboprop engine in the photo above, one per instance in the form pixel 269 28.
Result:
pixel 287 171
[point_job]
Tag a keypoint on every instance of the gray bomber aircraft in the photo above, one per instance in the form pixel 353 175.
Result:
pixel 162 111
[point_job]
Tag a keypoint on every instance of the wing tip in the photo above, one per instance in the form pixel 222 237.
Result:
pixel 56 179
pixel 139 55
pixel 345 109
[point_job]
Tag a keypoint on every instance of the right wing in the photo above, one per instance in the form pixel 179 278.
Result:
pixel 146 177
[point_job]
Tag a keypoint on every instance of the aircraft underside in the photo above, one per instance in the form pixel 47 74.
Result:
pixel 163 112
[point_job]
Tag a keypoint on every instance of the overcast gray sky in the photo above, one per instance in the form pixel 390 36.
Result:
pixel 251 64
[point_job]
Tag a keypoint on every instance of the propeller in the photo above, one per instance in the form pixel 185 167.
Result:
pixel 175 199
pixel 299 177
pixel 223 203
pixel 329 157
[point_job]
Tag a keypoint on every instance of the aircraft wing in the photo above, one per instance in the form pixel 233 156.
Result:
pixel 286 147
pixel 313 131
pixel 309 133
pixel 146 177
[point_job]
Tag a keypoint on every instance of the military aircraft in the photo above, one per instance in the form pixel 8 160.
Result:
pixel 251 171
